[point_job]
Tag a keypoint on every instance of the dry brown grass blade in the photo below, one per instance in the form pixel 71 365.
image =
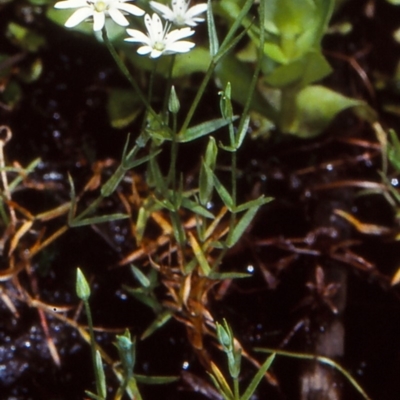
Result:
pixel 368 229
pixel 24 228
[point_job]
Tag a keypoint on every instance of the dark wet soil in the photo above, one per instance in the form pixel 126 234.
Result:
pixel 61 118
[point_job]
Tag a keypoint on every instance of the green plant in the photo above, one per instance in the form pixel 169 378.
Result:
pixel 234 355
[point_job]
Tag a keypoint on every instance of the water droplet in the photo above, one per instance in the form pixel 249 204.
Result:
pixel 250 269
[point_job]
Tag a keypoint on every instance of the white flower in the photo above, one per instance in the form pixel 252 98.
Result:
pixel 180 14
pixel 99 10
pixel 160 40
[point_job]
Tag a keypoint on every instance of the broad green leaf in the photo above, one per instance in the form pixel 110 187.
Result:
pixel 230 69
pixel 257 378
pixel 11 94
pixel 202 129
pixel 316 106
pixel 242 225
pixel 197 61
pixel 310 68
pixel 25 38
pixel 123 107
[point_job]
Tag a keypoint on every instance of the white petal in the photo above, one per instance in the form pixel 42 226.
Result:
pixel 118 17
pixel 131 9
pixel 155 53
pixel 99 19
pixel 70 4
pixel 78 16
pixel 137 36
pixel 166 12
pixel 144 50
pixel 178 34
pixel 195 10
pixel 179 47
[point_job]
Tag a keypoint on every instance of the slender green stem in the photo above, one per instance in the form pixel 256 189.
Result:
pixel 322 360
pixel 151 81
pixel 198 97
pixel 92 345
pixel 174 153
pixel 126 73
pixel 236 388
pixel 169 85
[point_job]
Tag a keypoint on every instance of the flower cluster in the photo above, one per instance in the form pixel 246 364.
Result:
pixel 159 39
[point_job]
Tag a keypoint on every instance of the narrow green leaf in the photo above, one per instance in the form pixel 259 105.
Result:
pixel 196 208
pixel 31 166
pixel 223 193
pixel 201 258
pixel 222 384
pixel 206 179
pixel 257 378
pixel 141 223
pixel 98 220
pixel 253 203
pixel 93 396
pixel 242 133
pixel 140 276
pixel 144 298
pixel 160 321
pixel 212 31
pixel 100 375
pixel 155 380
pixel 73 200
pixel 243 14
pixel 202 129
pixel 220 389
pixel 322 360
pixel 165 204
pixel 225 103
pixel 242 225
pixel 112 183
pixel 82 287
pixel 228 275
pixel 140 161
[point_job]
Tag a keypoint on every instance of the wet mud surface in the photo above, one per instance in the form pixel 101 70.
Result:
pixel 286 303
